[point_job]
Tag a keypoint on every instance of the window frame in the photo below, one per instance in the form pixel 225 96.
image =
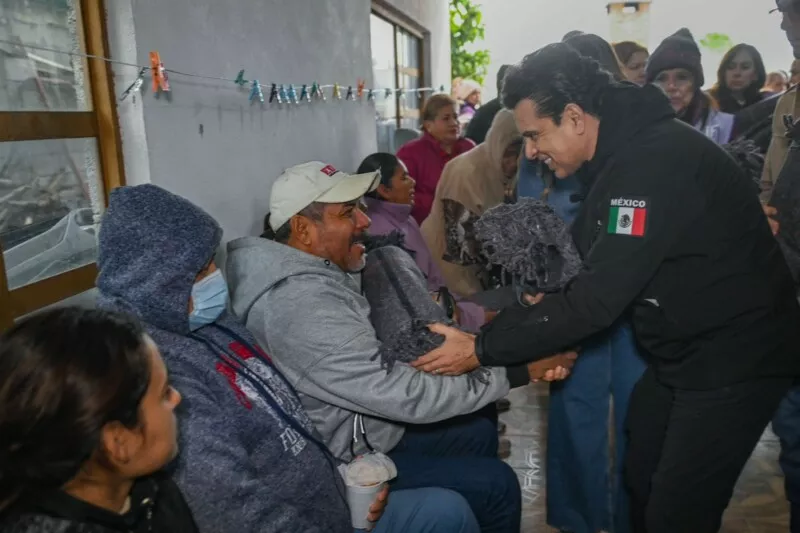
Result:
pixel 102 124
pixel 400 22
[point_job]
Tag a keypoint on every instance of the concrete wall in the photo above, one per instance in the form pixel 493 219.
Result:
pixel 228 170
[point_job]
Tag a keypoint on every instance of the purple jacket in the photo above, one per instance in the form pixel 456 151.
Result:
pixel 388 217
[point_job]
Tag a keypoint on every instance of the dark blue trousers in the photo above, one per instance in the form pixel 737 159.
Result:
pixel 461 455
pixel 580 496
pixel 786 425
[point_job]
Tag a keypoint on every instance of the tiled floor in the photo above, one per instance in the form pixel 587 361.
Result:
pixel 758 503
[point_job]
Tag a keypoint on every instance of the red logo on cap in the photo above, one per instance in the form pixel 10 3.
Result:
pixel 328 170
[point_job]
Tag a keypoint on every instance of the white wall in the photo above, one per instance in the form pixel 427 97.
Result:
pixel 228 170
pixel 517 27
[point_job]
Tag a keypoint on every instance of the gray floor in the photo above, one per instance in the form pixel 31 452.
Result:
pixel 758 504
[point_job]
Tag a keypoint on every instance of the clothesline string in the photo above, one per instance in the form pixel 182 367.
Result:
pixel 170 70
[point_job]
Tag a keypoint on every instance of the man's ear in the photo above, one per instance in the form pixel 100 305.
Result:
pixel 301 229
pixel 576 116
pixel 120 444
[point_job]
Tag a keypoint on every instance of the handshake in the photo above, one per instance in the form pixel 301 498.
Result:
pixel 457 355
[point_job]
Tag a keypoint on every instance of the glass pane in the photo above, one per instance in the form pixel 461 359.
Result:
pixel 382 42
pixel 51 201
pixel 32 79
pixel 413 52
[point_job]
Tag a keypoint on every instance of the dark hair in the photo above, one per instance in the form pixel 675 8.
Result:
pixel 571 34
pixel 626 49
pixel 314 211
pixel 501 74
pixel 64 374
pixel 436 103
pixel 555 76
pixel 699 108
pixel 386 163
pixel 752 93
pixel 597 48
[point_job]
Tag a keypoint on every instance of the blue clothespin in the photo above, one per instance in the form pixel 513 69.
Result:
pixel 240 81
pixel 388 93
pixel 370 94
pixel 255 92
pixel 293 95
pixel 441 88
pixel 304 94
pixel 282 97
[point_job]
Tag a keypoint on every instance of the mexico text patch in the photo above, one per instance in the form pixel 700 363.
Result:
pixel 628 216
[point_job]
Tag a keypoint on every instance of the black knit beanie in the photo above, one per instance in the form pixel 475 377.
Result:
pixel 676 51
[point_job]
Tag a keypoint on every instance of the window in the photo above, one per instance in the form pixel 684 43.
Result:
pixel 396 63
pixel 59 150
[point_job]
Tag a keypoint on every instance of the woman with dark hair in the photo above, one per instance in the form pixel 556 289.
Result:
pixel 585 493
pixel 426 157
pixel 675 67
pixel 633 60
pixel 86 426
pixel 740 77
pixel 389 209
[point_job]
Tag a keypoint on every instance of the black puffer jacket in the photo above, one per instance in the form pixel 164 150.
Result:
pixel 669 227
pixel 157 506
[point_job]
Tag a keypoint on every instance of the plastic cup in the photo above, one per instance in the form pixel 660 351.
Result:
pixel 360 499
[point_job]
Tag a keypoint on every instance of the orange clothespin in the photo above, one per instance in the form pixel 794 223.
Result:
pixel 159 74
pixel 360 89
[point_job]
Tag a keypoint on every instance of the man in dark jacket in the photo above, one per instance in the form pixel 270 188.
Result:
pixel 671 230
pixel 482 120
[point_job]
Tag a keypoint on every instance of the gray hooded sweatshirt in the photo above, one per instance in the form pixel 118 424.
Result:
pixel 314 322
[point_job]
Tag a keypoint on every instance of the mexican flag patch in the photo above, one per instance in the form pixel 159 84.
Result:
pixel 628 216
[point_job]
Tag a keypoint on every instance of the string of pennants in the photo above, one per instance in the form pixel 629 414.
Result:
pixel 276 93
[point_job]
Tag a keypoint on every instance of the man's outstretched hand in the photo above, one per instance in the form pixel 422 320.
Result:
pixel 554 368
pixel 453 358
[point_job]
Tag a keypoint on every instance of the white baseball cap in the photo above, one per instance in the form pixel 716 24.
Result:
pixel 302 185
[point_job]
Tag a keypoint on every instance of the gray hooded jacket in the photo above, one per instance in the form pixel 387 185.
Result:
pixel 315 324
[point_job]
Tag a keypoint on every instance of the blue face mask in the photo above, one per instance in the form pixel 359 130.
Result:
pixel 209 299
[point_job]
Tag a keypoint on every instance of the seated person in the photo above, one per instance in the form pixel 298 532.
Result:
pixel 389 209
pixel 471 184
pixel 86 425
pixel 299 296
pixel 250 458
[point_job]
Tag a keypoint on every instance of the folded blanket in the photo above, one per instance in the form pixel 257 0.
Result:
pixel 401 308
pixel 530 242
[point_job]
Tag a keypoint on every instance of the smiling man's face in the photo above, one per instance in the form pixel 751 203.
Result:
pixel 562 147
pixel 339 236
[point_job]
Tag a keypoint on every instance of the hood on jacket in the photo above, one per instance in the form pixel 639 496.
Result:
pixel 152 246
pixel 255 265
pixel 625 110
pixel 501 134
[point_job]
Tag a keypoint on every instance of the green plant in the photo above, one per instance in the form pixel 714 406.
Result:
pixel 466 27
pixel 717 42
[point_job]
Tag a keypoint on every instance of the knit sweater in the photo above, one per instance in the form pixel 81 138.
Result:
pixel 249 460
